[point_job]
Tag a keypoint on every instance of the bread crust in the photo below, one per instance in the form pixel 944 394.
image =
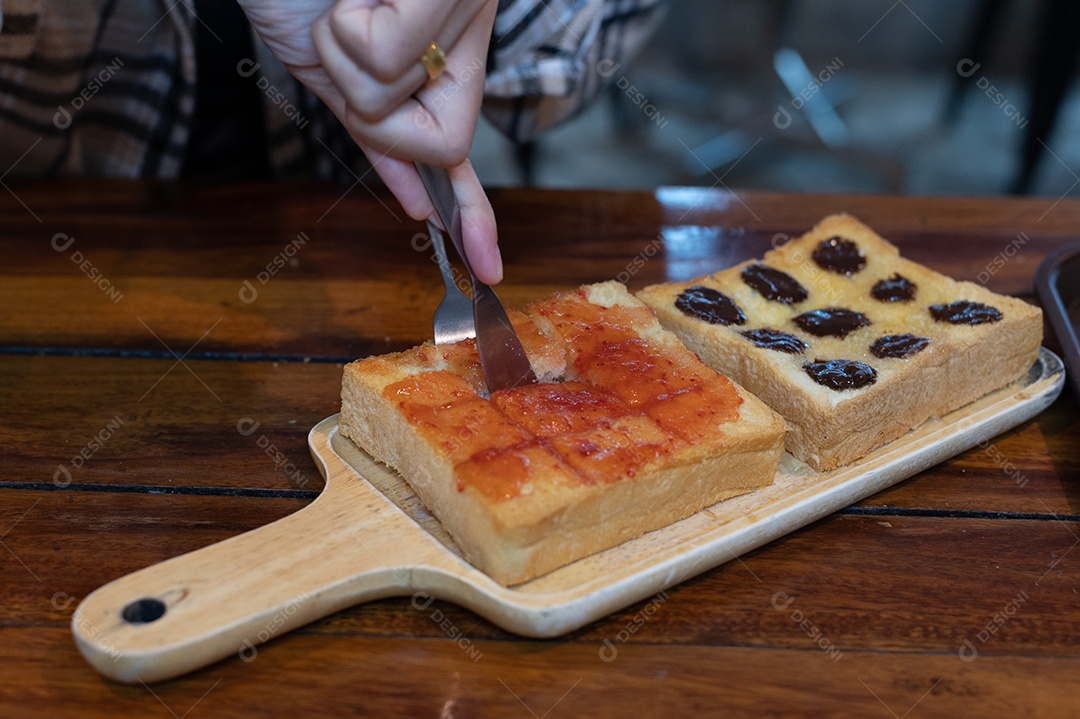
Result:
pixel 560 519
pixel 829 428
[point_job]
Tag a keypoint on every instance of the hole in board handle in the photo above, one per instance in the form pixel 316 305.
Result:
pixel 143 611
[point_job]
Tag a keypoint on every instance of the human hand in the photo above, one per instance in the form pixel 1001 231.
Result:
pixel 361 57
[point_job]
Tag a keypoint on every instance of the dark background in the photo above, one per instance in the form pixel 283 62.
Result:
pixel 709 75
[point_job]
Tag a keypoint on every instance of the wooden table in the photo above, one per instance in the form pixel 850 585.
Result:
pixel 137 332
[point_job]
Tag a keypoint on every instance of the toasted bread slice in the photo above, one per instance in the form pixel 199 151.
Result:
pixel 627 431
pixel 853 344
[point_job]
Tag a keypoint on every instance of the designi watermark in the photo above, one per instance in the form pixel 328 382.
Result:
pixel 608 651
pixel 968 650
pixel 93 632
pixel 62 242
pixel 782 117
pixel 249 293
pixel 422 242
pixel 62 475
pixel 607 67
pixel 968 67
pixel 1004 463
pixel 446 91
pixel 817 276
pixel 422 600
pixel 782 600
pixel 63 118
pixel 246 427
pixel 639 260
pixel 248 67
pixel 1010 251
pixel 61 601
pixel 247 650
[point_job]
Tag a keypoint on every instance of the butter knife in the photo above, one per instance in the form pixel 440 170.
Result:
pixel 502 358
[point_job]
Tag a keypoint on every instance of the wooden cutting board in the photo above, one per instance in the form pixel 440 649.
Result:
pixel 367 536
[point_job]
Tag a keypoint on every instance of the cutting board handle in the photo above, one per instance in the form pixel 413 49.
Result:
pixel 226 599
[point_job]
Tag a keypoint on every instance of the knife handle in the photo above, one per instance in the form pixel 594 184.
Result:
pixel 440 189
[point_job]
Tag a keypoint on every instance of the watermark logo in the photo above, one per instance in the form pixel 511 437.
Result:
pixel 968 67
pixel 62 600
pixel 608 651
pixel 782 118
pixel 249 293
pixel 606 68
pixel 968 650
pixel 276 623
pixel 781 601
pixel 62 242
pixel 247 427
pixel 93 632
pixel 445 91
pixel 1004 464
pixel 63 117
pixel 62 475
pixel 816 275
pixel 639 260
pixel 995 265
pixel 247 68
pixel 421 242
pixel 422 600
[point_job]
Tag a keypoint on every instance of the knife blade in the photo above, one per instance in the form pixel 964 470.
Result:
pixel 502 358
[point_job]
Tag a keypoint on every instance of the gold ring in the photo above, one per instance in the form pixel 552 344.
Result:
pixel 434 60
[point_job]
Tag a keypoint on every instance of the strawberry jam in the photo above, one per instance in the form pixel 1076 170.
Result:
pixel 449 414
pixel 628 403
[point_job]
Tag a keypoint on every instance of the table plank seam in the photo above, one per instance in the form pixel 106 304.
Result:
pixel 586 641
pixel 210 356
pixel 855 510
pixel 160 489
pixel 955 513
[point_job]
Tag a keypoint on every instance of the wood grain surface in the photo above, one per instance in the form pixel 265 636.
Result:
pixel 149 409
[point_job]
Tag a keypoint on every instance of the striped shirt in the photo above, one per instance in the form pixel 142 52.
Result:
pixel 108 87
